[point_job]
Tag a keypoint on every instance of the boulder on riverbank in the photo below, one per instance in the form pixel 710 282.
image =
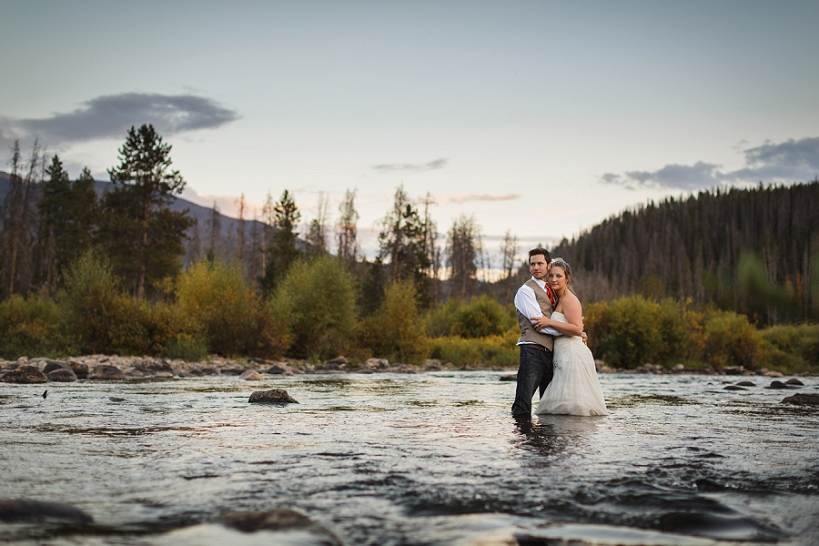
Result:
pixel 106 372
pixel 251 375
pixel 24 374
pixel 62 375
pixel 17 510
pixel 273 396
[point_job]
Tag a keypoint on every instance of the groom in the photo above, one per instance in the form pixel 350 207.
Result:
pixel 533 299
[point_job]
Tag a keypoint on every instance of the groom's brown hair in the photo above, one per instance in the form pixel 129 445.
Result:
pixel 538 250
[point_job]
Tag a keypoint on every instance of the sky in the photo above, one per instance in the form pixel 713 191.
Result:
pixel 540 119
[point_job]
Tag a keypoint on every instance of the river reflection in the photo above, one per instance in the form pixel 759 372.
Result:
pixel 413 459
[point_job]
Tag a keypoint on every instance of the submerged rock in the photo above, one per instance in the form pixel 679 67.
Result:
pixel 734 388
pixel 24 374
pixel 794 382
pixel 802 399
pixel 273 396
pixel 106 372
pixel 746 384
pixel 251 375
pixel 777 385
pixel 14 510
pixel 509 377
pixel 278 519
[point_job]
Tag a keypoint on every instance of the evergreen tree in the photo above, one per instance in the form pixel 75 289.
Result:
pixel 404 244
pixel 283 251
pixel 68 215
pixel 317 233
pixel 142 236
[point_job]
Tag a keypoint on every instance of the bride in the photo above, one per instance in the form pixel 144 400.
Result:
pixel 574 389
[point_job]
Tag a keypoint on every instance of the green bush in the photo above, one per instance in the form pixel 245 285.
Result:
pixel 482 317
pixel 230 314
pixel 790 348
pixel 727 339
pixel 395 331
pixel 30 327
pixel 437 322
pixel 317 302
pixel 496 350
pixel 631 337
pixel 99 316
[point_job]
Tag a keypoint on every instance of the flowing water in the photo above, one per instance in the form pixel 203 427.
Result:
pixel 429 458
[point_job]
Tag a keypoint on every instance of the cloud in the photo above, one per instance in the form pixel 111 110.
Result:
pixel 110 116
pixel 466 198
pixel 431 166
pixel 789 161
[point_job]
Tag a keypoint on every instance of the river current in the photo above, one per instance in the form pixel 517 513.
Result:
pixel 394 459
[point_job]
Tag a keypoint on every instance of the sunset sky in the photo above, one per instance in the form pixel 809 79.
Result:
pixel 542 118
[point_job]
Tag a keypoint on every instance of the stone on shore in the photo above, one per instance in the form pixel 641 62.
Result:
pixel 802 399
pixel 278 519
pixel 251 375
pixel 24 374
pixel 80 369
pixel 272 396
pixel 52 365
pixel 106 372
pixel 279 368
pixel 61 375
pixel 15 510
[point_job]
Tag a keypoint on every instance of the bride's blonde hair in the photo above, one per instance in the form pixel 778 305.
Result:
pixel 560 262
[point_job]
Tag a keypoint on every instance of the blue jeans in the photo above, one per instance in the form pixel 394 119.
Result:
pixel 535 371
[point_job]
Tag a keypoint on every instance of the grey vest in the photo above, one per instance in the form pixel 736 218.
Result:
pixel 528 334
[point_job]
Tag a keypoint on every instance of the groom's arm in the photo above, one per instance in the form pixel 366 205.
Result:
pixel 526 303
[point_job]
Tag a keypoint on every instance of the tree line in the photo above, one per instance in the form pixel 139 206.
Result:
pixel 751 250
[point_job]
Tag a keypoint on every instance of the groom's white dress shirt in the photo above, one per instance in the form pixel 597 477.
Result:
pixel 526 303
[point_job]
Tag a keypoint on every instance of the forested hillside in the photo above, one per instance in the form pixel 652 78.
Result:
pixel 750 250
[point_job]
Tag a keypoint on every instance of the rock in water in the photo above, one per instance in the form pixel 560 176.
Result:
pixel 107 373
pixel 509 377
pixel 13 510
pixel 734 388
pixel 24 374
pixel 273 396
pixel 278 519
pixel 61 374
pixel 802 399
pixel 251 375
pixel 794 382
pixel 777 385
pixel 746 384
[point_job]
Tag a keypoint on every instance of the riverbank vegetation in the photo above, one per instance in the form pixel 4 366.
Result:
pixel 121 273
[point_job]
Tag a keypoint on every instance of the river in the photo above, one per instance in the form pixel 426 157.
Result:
pixel 432 458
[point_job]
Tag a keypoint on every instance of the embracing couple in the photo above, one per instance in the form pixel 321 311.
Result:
pixel 553 355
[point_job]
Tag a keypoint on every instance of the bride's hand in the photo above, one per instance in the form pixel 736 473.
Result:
pixel 540 323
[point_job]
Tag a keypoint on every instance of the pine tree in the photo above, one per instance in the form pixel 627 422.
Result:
pixel 141 234
pixel 283 251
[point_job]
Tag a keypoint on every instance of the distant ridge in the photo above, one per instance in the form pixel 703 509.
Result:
pixel 692 247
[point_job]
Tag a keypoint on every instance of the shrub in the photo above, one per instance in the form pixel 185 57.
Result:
pixel 437 322
pixel 790 348
pixel 30 327
pixel 497 350
pixel 728 339
pixel 316 301
pixel 394 331
pixel 631 337
pixel 99 317
pixel 228 310
pixel 480 318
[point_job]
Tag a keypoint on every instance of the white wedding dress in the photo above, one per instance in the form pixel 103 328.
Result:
pixel 574 389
